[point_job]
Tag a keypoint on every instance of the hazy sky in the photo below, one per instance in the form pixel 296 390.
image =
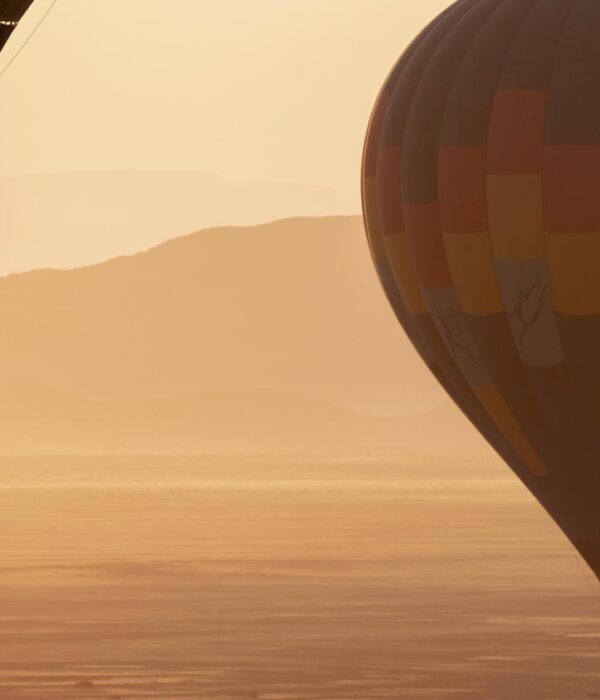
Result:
pixel 276 90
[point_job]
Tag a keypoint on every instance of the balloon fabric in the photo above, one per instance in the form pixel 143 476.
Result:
pixel 481 199
pixel 11 12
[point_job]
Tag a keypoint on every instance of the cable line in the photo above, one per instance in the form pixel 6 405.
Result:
pixel 29 38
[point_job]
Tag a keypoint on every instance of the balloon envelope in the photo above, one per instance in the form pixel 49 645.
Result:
pixel 11 12
pixel 481 198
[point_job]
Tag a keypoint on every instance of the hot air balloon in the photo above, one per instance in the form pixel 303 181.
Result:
pixel 11 12
pixel 481 199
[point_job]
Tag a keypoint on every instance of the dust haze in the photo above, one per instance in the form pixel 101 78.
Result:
pixel 224 471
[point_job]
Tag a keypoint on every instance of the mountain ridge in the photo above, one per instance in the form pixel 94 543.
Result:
pixel 291 308
pixel 43 215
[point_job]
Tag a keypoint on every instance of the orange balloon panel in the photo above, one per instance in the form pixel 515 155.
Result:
pixel 481 198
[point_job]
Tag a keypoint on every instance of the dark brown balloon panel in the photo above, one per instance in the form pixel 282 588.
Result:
pixel 11 12
pixel 481 198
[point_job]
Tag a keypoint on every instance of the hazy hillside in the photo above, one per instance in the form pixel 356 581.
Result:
pixel 269 337
pixel 35 420
pixel 72 219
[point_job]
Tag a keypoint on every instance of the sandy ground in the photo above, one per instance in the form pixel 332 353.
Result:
pixel 183 577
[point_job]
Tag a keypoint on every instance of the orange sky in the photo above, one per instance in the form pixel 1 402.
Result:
pixel 264 90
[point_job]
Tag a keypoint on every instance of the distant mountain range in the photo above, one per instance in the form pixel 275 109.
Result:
pixel 72 219
pixel 268 338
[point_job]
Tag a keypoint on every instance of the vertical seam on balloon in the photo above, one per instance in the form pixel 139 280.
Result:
pixel 490 238
pixel 559 40
pixel 450 16
pixel 456 393
pixel 477 399
pixel 460 63
pixel 487 153
pixel 505 310
pixel 406 56
pixel 411 107
pixel 374 112
pixel 510 43
pixel 559 43
pixel 371 234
